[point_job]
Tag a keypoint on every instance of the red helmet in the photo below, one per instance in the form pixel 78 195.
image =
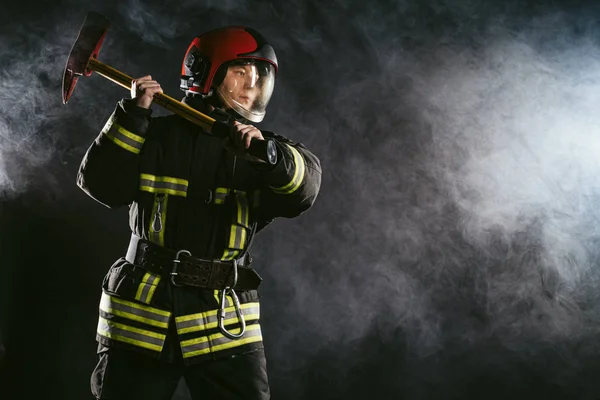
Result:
pixel 209 59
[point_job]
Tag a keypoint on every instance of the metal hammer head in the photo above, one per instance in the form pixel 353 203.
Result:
pixel 86 46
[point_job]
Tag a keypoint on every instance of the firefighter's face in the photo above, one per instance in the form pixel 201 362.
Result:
pixel 241 84
pixel 247 88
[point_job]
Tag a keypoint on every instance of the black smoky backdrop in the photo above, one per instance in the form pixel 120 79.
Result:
pixel 453 250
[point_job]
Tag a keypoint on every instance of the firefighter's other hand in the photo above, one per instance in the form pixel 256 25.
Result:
pixel 241 135
pixel 239 140
pixel 143 90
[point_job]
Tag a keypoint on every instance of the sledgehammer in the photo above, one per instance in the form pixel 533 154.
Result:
pixel 83 61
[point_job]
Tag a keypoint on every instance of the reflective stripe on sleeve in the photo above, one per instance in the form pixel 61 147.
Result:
pixel 217 342
pixel 163 184
pixel 209 319
pixel 298 177
pixel 128 334
pixel 147 287
pixel 134 311
pixel 122 137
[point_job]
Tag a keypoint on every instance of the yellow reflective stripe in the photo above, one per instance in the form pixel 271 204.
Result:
pixel 135 317
pixel 128 328
pixel 231 308
pixel 163 190
pixel 253 332
pixel 217 297
pixel 210 325
pixel 152 290
pixel 220 195
pixel 129 134
pixel 242 237
pixel 141 286
pixel 208 320
pixel 134 311
pixel 232 236
pixel 128 334
pixel 147 287
pixel 122 137
pixel 140 306
pixel 161 235
pixel 233 343
pixel 242 211
pixel 169 179
pixel 229 254
pixel 298 177
pixel 163 184
pixel 204 339
pixel 237 230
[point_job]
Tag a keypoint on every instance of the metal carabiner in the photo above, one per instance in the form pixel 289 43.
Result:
pixel 238 312
pixel 236 304
pixel 176 262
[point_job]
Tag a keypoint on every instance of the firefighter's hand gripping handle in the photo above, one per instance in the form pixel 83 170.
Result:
pixel 262 149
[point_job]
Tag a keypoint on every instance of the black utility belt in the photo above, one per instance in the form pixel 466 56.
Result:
pixel 187 270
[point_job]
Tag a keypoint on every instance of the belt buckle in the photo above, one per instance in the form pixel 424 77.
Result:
pixel 176 262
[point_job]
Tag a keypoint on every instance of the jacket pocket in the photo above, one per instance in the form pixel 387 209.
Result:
pixel 122 279
pixel 247 296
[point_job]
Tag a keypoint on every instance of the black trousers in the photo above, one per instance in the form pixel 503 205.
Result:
pixel 122 374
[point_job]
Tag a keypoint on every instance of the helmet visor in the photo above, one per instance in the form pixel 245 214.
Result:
pixel 247 88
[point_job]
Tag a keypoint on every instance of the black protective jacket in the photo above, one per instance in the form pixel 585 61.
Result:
pixel 184 191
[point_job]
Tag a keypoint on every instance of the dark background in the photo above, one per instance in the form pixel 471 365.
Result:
pixel 453 250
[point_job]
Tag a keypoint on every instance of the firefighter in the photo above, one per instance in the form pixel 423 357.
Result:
pixel 183 301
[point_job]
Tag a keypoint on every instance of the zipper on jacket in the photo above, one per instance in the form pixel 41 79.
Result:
pixel 157 223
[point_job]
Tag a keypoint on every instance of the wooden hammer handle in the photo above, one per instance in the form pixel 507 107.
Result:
pixel 161 99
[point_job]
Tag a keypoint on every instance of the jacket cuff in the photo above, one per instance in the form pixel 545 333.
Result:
pixel 288 174
pixel 133 118
pixel 127 127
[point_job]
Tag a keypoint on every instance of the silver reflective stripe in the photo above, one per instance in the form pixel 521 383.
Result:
pixel 128 334
pixel 122 137
pixel 136 312
pixel 238 236
pixel 218 342
pixel 147 287
pixel 209 320
pixel 163 184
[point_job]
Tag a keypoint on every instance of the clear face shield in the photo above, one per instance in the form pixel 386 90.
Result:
pixel 247 88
